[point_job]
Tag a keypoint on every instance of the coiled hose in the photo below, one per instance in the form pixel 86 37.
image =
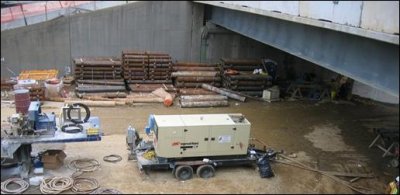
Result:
pixel 106 191
pixel 77 128
pixel 80 105
pixel 23 185
pixel 56 185
pixel 85 185
pixel 84 165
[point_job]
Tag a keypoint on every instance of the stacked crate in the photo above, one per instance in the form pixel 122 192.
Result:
pixel 238 76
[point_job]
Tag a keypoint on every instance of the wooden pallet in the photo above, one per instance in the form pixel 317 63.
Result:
pixel 39 75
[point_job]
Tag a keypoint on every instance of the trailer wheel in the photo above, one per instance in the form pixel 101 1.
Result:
pixel 184 172
pixel 205 171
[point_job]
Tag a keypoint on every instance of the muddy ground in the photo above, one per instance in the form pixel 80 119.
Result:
pixel 328 136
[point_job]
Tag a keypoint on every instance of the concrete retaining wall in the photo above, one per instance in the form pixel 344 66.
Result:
pixel 171 27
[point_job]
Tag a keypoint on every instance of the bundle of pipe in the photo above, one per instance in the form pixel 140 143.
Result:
pixel 151 87
pixel 97 75
pixel 135 66
pixel 98 68
pixel 146 67
pixel 191 101
pixel 238 76
pixel 91 88
pixel 192 75
pixel 194 91
pixel 160 66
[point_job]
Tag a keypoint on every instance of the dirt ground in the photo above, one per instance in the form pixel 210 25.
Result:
pixel 328 136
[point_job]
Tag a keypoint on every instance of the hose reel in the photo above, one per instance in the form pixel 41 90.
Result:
pixel 78 121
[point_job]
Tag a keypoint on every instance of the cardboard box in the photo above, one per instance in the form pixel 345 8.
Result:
pixel 53 159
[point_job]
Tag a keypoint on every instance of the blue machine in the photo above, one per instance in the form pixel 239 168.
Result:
pixel 41 120
pixel 150 124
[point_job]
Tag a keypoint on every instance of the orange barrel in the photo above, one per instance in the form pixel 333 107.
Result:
pixel 22 100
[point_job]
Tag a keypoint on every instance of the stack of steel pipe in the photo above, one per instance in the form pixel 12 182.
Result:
pixel 98 74
pixel 238 76
pixel 192 75
pixel 160 67
pixel 98 68
pixel 147 71
pixel 135 66
pixel 191 101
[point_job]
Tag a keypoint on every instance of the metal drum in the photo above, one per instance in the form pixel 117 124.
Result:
pixel 22 100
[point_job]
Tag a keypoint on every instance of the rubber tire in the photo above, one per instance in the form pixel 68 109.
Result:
pixel 205 171
pixel 184 172
pixel 394 162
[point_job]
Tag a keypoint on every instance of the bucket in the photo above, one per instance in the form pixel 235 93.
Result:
pixel 22 100
pixel 53 88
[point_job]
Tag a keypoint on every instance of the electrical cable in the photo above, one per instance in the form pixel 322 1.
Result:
pixel 23 185
pixel 78 128
pixel 112 158
pixel 84 165
pixel 85 185
pixel 78 121
pixel 106 191
pixel 56 185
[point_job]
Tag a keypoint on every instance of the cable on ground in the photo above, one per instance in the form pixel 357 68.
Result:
pixel 85 185
pixel 112 158
pixel 84 165
pixel 56 185
pixel 23 185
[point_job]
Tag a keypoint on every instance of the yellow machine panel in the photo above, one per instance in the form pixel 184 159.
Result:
pixel 197 135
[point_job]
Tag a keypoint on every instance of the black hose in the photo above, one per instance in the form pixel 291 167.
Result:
pixel 78 121
pixel 78 128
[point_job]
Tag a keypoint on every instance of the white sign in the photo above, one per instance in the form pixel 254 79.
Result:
pixel 224 139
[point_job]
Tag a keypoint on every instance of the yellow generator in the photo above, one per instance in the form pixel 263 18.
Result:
pixel 177 136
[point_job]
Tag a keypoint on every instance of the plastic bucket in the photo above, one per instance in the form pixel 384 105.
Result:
pixel 53 88
pixel 22 100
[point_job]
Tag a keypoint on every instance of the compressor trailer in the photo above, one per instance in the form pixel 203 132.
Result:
pixel 197 143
